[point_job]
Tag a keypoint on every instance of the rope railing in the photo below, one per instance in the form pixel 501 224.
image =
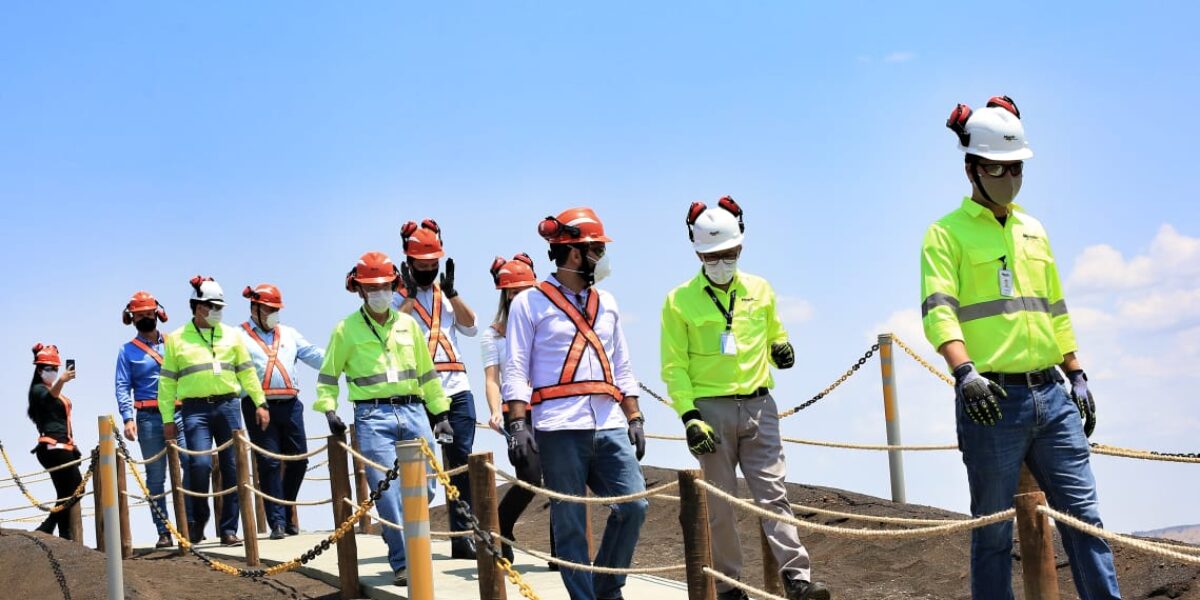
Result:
pixel 13 484
pixel 757 593
pixel 803 508
pixel 59 504
pixel 1143 454
pixel 282 502
pixel 129 494
pixel 363 459
pixel 220 448
pixel 224 492
pixel 286 457
pixel 316 466
pixel 145 461
pixel 1116 538
pixel 574 566
pixel 22 476
pixel 600 500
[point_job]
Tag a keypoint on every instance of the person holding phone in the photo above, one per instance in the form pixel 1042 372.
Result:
pixel 50 410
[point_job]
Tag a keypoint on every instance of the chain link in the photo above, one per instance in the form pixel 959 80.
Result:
pixel 59 575
pixel 917 357
pixel 64 503
pixel 486 538
pixel 833 386
pixel 653 394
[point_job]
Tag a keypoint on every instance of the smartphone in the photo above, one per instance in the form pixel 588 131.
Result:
pixel 70 364
pixel 445 438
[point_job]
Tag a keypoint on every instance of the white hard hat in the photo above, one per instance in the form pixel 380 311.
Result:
pixel 994 132
pixel 717 228
pixel 205 289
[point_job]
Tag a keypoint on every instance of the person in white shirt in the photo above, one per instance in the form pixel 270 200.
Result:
pixel 568 369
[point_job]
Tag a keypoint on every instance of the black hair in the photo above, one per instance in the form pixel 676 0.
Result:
pixel 559 253
pixel 37 378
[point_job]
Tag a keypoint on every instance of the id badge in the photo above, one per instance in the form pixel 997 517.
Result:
pixel 1006 283
pixel 393 376
pixel 216 367
pixel 728 344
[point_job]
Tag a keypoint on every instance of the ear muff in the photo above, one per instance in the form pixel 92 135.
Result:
pixel 732 207
pixel 525 259
pixel 351 284
pixel 197 281
pixel 396 282
pixel 1006 103
pixel 249 294
pixel 432 225
pixel 551 227
pixel 497 264
pixel 958 124
pixel 694 212
pixel 127 316
pixel 161 312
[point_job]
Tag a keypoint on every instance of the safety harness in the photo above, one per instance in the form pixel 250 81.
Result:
pixel 272 353
pixel 436 336
pixel 585 336
pixel 53 443
pixel 149 402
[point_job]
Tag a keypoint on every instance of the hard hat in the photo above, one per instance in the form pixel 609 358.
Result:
pixel 422 241
pixel 206 289
pixel 46 355
pixel 372 267
pixel 514 273
pixel 142 301
pixel 573 226
pixel 994 133
pixel 717 228
pixel 264 294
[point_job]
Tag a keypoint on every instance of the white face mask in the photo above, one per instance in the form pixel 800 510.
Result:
pixel 720 273
pixel 270 322
pixel 214 317
pixel 379 301
pixel 602 269
pixel 49 376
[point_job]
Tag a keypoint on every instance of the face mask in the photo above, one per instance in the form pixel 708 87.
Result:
pixel 720 273
pixel 214 317
pixel 379 301
pixel 601 269
pixel 49 375
pixel 424 278
pixel 269 322
pixel 145 325
pixel 998 190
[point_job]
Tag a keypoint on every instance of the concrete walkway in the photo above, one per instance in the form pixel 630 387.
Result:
pixel 454 579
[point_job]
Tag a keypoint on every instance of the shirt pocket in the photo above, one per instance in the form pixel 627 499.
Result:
pixel 704 334
pixel 981 279
pixel 750 325
pixel 1037 268
pixel 404 348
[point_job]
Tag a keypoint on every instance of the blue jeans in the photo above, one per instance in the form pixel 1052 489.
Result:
pixel 150 438
pixel 378 428
pixel 462 419
pixel 603 461
pixel 204 423
pixel 1041 427
pixel 284 435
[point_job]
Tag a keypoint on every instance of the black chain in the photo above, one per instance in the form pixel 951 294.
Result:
pixel 853 369
pixel 653 395
pixel 485 537
pixel 1177 454
pixel 54 564
pixel 91 470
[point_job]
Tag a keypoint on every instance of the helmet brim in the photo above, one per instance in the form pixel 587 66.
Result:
pixel 373 280
pixel 1019 154
pixel 431 255
pixel 721 246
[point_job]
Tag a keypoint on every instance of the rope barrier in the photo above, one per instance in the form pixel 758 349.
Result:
pixel 211 452
pixel 364 460
pixel 456 471
pixel 1142 454
pixel 574 566
pixel 602 500
pixel 452 534
pixel 187 492
pixel 266 496
pixel 286 457
pixel 741 586
pixel 833 386
pixel 13 484
pixel 872 518
pixel 1116 538
pixel 311 478
pixel 865 534
pixel 879 447
pixel 312 468
pixel 155 458
pixel 654 395
pixel 146 499
pixel 66 465
pixel 61 504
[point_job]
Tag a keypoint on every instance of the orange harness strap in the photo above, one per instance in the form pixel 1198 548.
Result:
pixel 272 353
pixel 69 445
pixel 436 337
pixel 585 336
pixel 137 341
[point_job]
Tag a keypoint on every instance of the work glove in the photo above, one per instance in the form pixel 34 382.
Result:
pixel 521 445
pixel 701 439
pixel 336 426
pixel 407 280
pixel 1082 397
pixel 980 396
pixel 637 435
pixel 442 431
pixel 783 355
pixel 446 281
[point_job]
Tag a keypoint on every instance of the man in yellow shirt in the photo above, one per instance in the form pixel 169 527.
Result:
pixel 721 334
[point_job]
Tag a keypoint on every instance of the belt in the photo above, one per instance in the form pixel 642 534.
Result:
pixel 274 400
pixel 212 399
pixel 1030 379
pixel 392 400
pixel 149 404
pixel 759 393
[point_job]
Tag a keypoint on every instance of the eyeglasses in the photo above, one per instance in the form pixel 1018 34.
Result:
pixel 727 260
pixel 998 170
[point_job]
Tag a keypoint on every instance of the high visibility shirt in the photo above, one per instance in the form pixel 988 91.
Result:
pixel 1027 329
pixel 539 338
pixel 370 355
pixel 200 363
pixel 446 355
pixel 292 346
pixel 693 364
pixel 137 374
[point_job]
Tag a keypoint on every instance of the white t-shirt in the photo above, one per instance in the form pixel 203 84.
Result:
pixel 495 351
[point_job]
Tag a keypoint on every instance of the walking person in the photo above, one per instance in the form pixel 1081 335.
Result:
pixel 50 411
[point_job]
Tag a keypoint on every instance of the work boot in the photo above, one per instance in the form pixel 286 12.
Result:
pixel 463 548
pixel 733 594
pixel 401 578
pixel 291 529
pixel 164 541
pixel 196 532
pixel 277 533
pixel 507 552
pixel 229 539
pixel 798 589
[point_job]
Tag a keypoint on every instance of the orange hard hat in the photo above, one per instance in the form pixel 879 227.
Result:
pixel 264 294
pixel 514 273
pixel 422 241
pixel 142 301
pixel 572 226
pixel 372 267
pixel 46 355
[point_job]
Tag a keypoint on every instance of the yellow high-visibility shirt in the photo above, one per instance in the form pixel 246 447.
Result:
pixel 188 371
pixel 693 365
pixel 366 352
pixel 962 292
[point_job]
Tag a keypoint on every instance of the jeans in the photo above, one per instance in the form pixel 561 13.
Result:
pixel 284 435
pixel 204 423
pixel 378 428
pixel 602 460
pixel 1041 427
pixel 150 439
pixel 462 419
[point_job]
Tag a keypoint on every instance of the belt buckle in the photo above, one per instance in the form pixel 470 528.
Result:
pixel 1029 379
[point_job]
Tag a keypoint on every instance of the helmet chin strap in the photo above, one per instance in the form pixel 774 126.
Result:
pixel 979 186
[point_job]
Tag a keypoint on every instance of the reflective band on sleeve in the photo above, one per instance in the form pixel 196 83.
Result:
pixel 244 366
pixel 324 379
pixel 427 377
pixel 938 299
pixel 168 374
pixel 1003 306
pixel 1059 308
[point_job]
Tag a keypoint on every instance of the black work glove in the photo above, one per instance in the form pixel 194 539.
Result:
pixel 701 439
pixel 447 280
pixel 406 279
pixel 336 426
pixel 1082 397
pixel 443 432
pixel 979 395
pixel 637 436
pixel 521 445
pixel 783 355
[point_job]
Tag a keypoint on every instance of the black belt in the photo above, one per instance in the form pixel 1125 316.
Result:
pixel 393 400
pixel 1030 379
pixel 759 393
pixel 212 399
pixel 274 400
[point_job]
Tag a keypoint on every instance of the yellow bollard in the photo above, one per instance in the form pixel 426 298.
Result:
pixel 415 504
pixel 891 413
pixel 108 500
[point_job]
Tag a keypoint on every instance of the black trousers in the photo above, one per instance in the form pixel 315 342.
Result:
pixel 65 483
pixel 517 498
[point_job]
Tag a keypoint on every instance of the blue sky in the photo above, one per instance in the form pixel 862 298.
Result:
pixel 143 144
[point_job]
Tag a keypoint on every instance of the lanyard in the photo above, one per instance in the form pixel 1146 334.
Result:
pixel 210 343
pixel 383 341
pixel 727 313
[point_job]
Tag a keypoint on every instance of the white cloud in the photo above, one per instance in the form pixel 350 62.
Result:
pixel 1173 260
pixel 794 311
pixel 899 57
pixel 907 325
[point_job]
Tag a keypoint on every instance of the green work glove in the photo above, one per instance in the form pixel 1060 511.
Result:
pixel 701 438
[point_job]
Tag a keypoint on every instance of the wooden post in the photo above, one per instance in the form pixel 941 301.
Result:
pixel 1037 542
pixel 361 488
pixel 449 509
pixel 260 509
pixel 181 522
pixel 483 501
pixel 347 547
pixel 245 497
pixel 97 486
pixel 772 582
pixel 219 501
pixel 123 509
pixel 697 543
pixel 76 515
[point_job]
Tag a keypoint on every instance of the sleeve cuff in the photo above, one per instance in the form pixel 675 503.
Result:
pixel 943 331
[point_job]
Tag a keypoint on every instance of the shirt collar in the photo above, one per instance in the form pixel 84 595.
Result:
pixel 700 281
pixel 976 210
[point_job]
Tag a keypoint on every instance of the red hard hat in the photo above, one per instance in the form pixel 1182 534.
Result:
pixel 574 225
pixel 264 294
pixel 372 267
pixel 514 273
pixel 142 301
pixel 422 241
pixel 46 355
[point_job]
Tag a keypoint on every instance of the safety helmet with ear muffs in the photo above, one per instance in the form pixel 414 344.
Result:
pixel 715 229
pixel 994 132
pixel 264 294
pixel 517 272
pixel 143 301
pixel 373 267
pixel 422 241
pixel 44 354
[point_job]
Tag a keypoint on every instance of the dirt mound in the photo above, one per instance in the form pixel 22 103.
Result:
pixel 923 569
pixel 26 572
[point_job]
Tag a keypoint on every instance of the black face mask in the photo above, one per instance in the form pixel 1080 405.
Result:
pixel 145 325
pixel 424 278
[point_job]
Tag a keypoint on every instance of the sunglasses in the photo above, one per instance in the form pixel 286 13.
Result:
pixel 998 170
